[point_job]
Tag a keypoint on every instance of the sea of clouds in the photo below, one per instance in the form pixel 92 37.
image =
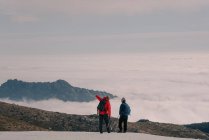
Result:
pixel 166 87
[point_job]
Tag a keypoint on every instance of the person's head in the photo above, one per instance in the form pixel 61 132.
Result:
pixel 107 98
pixel 123 100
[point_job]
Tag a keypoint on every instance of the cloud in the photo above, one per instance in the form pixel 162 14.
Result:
pixel 166 111
pixel 102 7
pixel 23 19
pixel 165 87
pixel 106 43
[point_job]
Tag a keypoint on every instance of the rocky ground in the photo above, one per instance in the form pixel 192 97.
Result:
pixel 19 118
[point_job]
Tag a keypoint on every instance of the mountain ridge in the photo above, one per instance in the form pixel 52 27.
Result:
pixel 18 90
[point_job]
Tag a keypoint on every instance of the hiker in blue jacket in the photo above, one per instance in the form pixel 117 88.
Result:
pixel 123 112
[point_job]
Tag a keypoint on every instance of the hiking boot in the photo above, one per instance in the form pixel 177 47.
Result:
pixel 108 130
pixel 119 131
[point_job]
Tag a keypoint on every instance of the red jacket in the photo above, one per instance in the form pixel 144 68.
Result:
pixel 107 107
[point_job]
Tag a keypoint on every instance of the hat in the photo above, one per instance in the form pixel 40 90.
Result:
pixel 123 100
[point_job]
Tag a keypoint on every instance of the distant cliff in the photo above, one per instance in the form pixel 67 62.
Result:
pixel 18 118
pixel 204 127
pixel 60 89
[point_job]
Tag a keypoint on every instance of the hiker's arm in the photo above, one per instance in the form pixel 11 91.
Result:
pixel 98 98
pixel 121 109
pixel 110 112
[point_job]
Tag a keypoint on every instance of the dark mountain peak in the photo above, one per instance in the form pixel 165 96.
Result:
pixel 16 82
pixel 12 81
pixel 60 89
pixel 62 82
pixel 20 81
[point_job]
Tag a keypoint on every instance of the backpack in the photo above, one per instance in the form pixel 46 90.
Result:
pixel 101 105
pixel 128 110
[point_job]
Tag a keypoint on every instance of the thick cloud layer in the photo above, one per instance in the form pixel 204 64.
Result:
pixel 160 87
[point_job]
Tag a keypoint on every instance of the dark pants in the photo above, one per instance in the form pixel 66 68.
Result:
pixel 123 119
pixel 106 119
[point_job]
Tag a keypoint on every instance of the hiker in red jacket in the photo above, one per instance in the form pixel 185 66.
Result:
pixel 104 111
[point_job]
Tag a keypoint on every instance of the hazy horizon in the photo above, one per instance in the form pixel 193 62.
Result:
pixel 160 87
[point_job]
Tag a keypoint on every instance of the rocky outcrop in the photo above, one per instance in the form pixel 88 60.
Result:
pixel 204 127
pixel 166 129
pixel 12 124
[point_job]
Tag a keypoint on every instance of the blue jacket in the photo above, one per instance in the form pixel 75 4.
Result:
pixel 124 109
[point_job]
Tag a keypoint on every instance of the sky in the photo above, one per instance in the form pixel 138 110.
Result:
pixel 75 26
pixel 154 53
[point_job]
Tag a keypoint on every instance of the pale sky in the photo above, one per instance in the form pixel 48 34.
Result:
pixel 103 26
pixel 47 40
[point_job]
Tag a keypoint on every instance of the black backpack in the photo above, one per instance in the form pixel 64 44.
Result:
pixel 128 110
pixel 101 105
